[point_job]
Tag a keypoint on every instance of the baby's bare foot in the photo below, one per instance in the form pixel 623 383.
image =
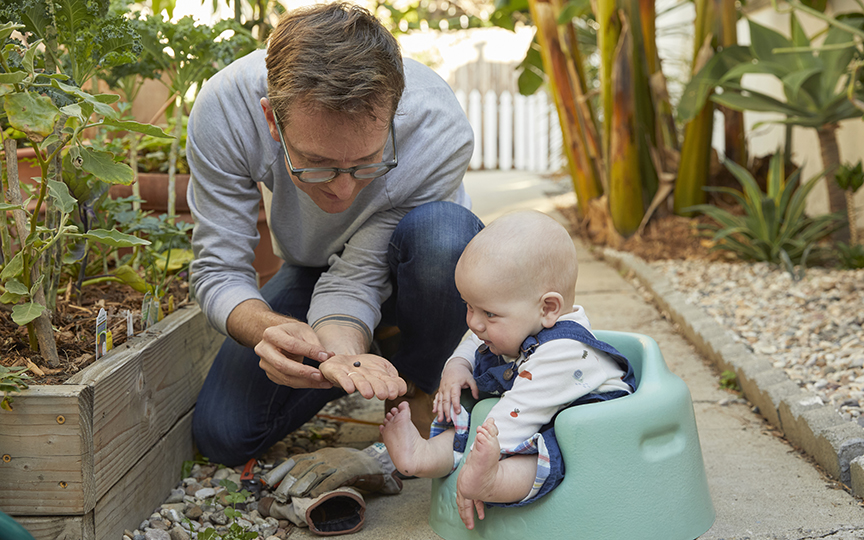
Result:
pixel 401 438
pixel 478 475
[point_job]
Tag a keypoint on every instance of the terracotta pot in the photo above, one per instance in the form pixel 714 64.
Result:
pixel 154 190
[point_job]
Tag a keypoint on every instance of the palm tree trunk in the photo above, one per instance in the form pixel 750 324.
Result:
pixel 733 128
pixel 557 65
pixel 830 162
pixel 625 177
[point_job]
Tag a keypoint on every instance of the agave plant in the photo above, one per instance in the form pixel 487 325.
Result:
pixel 774 227
pixel 816 83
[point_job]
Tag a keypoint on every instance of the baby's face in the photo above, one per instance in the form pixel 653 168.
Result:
pixel 499 315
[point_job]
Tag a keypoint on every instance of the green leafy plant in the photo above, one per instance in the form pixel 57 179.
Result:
pixel 819 84
pixel 196 52
pixel 47 105
pixel 729 381
pixel 850 257
pixel 169 251
pixel 11 380
pixel 774 227
pixel 186 468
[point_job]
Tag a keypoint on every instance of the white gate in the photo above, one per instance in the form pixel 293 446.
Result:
pixel 513 131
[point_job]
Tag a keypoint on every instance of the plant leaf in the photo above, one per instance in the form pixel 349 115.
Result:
pixel 16 287
pixel 764 40
pixel 34 115
pixel 115 238
pixel 101 108
pixel 13 267
pixel 24 313
pixel 137 127
pixel 60 191
pixel 130 277
pixel 12 78
pixel 5 207
pixel 102 165
pixel 754 101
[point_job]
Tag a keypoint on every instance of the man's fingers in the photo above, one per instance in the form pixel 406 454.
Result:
pixel 285 371
pixel 369 375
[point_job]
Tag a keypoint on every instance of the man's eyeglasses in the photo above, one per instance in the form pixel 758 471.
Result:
pixel 320 175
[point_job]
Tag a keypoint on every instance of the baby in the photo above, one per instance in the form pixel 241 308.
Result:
pixel 529 345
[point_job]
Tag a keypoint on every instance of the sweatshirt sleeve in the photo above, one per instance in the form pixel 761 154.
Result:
pixel 222 195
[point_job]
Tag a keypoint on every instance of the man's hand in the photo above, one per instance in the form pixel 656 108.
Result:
pixel 282 349
pixel 457 375
pixel 370 375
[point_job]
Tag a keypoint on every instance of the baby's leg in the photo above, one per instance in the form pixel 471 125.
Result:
pixel 485 478
pixel 412 454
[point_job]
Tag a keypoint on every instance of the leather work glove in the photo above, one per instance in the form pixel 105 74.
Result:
pixel 341 511
pixel 311 475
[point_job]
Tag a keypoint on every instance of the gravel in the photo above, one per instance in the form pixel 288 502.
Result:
pixel 811 328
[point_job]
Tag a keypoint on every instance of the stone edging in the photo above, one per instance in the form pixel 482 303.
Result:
pixel 805 421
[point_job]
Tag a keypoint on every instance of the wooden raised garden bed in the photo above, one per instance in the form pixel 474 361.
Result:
pixel 94 456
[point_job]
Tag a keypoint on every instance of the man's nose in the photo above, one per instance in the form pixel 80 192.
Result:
pixel 342 186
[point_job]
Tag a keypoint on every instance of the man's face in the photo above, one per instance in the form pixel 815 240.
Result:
pixel 320 138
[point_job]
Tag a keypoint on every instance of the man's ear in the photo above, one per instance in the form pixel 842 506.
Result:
pixel 551 307
pixel 271 120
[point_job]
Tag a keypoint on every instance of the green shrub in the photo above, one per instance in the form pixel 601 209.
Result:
pixel 773 227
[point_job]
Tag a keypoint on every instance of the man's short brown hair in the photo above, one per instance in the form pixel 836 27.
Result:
pixel 336 56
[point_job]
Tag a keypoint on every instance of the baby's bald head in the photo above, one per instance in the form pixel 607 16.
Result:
pixel 525 251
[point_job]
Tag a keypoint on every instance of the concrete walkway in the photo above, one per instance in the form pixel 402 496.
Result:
pixel 762 488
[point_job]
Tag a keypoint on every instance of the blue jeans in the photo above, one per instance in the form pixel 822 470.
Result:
pixel 240 413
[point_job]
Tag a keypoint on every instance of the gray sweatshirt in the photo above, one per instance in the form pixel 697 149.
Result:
pixel 230 151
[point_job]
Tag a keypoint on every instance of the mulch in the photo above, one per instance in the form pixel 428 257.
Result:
pixel 75 325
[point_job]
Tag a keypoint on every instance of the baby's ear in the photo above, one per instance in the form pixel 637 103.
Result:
pixel 551 308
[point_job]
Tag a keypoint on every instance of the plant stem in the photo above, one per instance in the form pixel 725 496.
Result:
pixel 172 159
pixel 5 236
pixel 41 326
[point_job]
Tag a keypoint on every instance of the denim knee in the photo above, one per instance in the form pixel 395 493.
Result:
pixel 432 237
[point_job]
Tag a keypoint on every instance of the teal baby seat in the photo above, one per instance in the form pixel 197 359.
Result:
pixel 633 467
pixel 11 530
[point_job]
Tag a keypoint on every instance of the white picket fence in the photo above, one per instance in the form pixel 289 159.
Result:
pixel 513 131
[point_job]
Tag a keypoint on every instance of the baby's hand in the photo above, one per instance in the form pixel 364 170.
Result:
pixel 456 376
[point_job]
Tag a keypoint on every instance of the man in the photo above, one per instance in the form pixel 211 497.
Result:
pixel 364 157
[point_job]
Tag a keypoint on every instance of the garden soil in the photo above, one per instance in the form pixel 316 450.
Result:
pixel 75 325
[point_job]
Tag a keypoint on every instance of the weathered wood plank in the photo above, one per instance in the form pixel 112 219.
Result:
pixel 146 485
pixel 60 528
pixel 142 390
pixel 46 444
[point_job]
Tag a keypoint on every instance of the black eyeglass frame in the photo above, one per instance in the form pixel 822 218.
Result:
pixel 386 165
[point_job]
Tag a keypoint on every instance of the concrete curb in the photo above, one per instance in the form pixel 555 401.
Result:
pixel 808 423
